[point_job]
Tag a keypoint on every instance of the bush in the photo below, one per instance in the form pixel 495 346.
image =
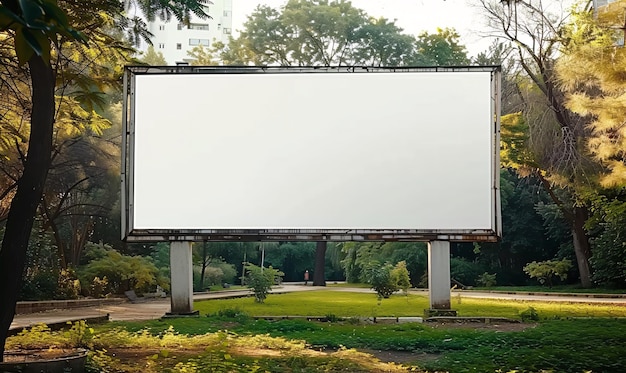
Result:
pixel 546 270
pixel 40 286
pixel 486 280
pixel 379 277
pixel 261 280
pixel 400 275
pixel 530 314
pixel 99 287
pixel 68 285
pixel 123 272
pixel 387 279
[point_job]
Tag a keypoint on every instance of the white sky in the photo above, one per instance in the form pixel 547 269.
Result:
pixel 414 16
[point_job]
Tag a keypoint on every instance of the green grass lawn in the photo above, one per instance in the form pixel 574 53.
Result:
pixel 571 338
pixel 554 289
pixel 352 304
pixel 574 345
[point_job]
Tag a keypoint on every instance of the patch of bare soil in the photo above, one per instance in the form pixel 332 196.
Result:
pixel 21 356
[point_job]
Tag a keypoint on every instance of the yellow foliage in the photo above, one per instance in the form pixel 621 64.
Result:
pixel 592 74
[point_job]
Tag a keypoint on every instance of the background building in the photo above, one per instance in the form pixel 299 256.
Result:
pixel 175 39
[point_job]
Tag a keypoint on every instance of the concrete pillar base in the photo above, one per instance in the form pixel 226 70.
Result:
pixel 439 312
pixel 170 315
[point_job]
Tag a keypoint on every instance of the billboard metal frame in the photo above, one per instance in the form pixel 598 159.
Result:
pixel 131 234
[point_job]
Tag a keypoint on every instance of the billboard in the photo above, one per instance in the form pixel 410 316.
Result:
pixel 311 153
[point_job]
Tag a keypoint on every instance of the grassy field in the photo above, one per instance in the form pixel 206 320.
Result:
pixel 364 305
pixel 554 289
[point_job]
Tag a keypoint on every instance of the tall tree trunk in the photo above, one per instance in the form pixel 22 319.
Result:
pixel 28 195
pixel 205 263
pixel 576 217
pixel 319 275
pixel 581 245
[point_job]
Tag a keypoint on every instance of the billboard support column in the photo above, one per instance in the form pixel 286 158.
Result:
pixel 181 279
pixel 439 279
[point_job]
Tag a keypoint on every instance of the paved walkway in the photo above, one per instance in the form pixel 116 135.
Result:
pixel 156 308
pixel 147 309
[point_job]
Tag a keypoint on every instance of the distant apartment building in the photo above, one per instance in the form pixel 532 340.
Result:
pixel 600 3
pixel 175 39
pixel 603 10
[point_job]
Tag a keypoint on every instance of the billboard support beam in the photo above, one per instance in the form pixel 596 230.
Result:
pixel 181 279
pixel 439 279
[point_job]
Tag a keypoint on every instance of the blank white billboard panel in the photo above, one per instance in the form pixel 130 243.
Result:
pixel 313 151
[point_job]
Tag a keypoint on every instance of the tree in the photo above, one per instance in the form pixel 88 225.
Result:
pixel 319 275
pixel 36 28
pixel 442 48
pixel 590 71
pixel 201 56
pixel 203 256
pixel 154 58
pixel 382 43
pixel 556 136
pixel 293 258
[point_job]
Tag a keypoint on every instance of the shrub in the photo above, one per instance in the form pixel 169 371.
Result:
pixel 379 277
pixel 68 285
pixel 400 275
pixel 123 272
pixel 42 285
pixel 387 279
pixel 486 280
pixel 99 287
pixel 530 314
pixel 546 270
pixel 261 280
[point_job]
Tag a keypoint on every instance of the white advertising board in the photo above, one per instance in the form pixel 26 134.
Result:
pixel 221 152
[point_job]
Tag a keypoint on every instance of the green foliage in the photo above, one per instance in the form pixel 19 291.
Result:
pixel 261 280
pixel 380 279
pixel 294 258
pixel 123 272
pixel 40 286
pixel 570 346
pixel 465 271
pixel 442 48
pixel 99 287
pixel 359 256
pixel 79 334
pixel 529 314
pixel 546 270
pixel 326 33
pixel 36 23
pixel 400 276
pixel 608 222
pixel 68 285
pixel 486 280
